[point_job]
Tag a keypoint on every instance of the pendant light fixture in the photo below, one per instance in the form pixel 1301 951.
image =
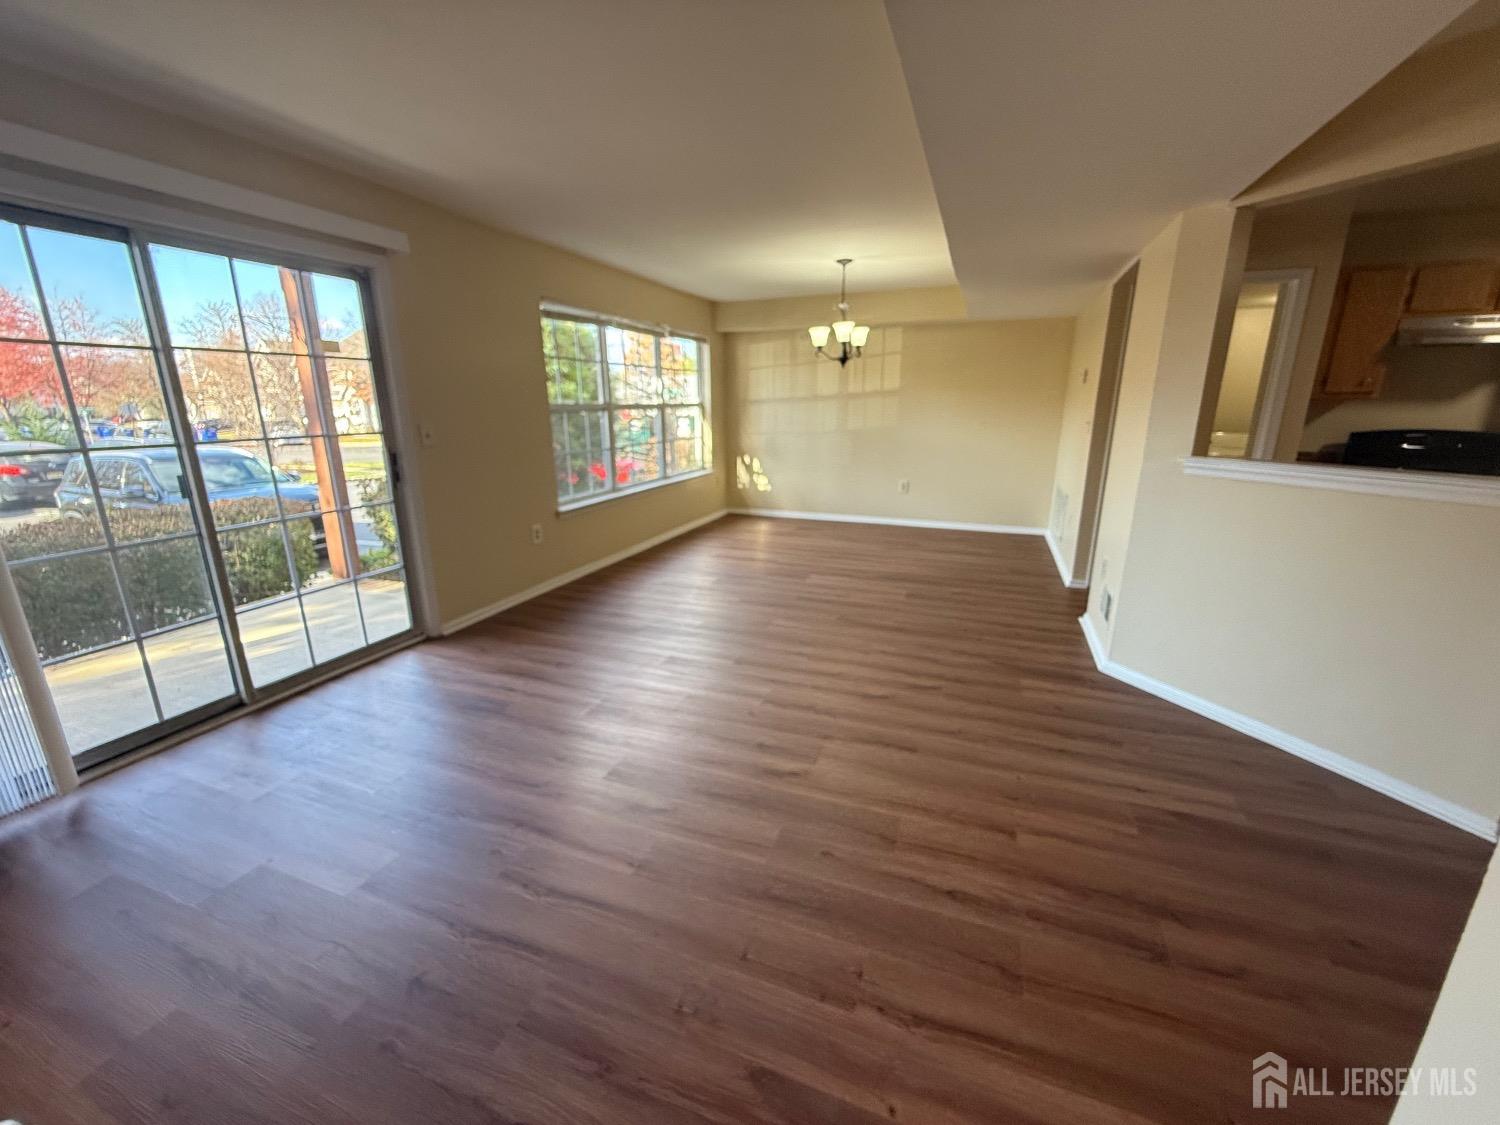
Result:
pixel 849 336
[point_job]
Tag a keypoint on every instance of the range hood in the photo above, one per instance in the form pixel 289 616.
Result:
pixel 1469 328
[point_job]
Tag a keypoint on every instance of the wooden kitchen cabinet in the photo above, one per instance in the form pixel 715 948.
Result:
pixel 1455 287
pixel 1371 303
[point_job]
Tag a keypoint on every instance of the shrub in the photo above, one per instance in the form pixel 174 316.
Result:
pixel 382 519
pixel 72 603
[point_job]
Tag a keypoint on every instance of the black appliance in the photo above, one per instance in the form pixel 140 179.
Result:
pixel 1432 451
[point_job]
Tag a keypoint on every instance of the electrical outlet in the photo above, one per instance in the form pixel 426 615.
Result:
pixel 903 486
pixel 536 533
pixel 1085 376
pixel 1107 604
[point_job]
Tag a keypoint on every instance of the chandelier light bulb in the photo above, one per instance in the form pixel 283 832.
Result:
pixel 851 337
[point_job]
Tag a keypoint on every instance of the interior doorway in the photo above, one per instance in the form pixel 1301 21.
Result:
pixel 1101 432
pixel 1258 364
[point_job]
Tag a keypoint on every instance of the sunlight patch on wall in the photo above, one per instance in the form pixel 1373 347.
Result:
pixel 787 390
pixel 748 474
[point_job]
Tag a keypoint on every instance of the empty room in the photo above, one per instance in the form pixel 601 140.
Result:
pixel 797 562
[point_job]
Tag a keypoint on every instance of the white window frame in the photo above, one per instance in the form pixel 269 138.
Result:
pixel 659 332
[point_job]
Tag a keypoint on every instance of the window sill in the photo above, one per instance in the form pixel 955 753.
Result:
pixel 1449 488
pixel 621 493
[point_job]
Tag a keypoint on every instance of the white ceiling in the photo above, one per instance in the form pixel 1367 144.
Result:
pixel 734 148
pixel 1062 136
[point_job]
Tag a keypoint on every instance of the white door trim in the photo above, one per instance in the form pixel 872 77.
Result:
pixel 1281 356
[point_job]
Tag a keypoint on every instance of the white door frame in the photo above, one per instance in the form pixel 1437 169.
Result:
pixel 1281 356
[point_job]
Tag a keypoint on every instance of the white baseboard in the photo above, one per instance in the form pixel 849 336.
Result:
pixel 1068 580
pixel 1096 646
pixel 1456 815
pixel 890 521
pixel 463 621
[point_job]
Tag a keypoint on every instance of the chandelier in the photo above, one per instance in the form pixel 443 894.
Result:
pixel 850 337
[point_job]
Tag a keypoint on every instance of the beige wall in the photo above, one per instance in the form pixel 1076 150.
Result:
pixel 1076 432
pixel 942 304
pixel 1465 1027
pixel 466 301
pixel 1358 623
pixel 967 412
pixel 1132 417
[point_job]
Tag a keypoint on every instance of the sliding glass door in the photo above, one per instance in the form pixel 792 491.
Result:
pixel 275 369
pixel 197 495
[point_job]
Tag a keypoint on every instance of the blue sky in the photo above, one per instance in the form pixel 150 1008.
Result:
pixel 338 306
pixel 13 272
pixel 101 271
pixel 187 280
pixel 73 265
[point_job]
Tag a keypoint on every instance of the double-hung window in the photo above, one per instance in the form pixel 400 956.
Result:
pixel 628 405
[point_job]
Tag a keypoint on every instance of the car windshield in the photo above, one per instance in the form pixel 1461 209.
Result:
pixel 239 470
pixel 222 470
pixel 168 470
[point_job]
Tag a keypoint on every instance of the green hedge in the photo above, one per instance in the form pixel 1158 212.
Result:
pixel 73 604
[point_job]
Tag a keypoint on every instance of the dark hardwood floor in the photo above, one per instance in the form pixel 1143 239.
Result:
pixel 780 822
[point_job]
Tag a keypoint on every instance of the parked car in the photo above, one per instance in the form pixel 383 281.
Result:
pixel 152 478
pixel 30 471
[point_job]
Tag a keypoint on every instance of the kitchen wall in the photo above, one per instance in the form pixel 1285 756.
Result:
pixel 967 412
pixel 469 350
pixel 1425 388
pixel 1430 388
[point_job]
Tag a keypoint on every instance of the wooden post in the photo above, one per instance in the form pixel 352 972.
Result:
pixel 325 454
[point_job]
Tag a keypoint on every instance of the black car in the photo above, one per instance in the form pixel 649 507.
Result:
pixel 30 471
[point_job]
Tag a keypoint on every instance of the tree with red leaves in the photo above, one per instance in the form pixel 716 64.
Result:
pixel 28 377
